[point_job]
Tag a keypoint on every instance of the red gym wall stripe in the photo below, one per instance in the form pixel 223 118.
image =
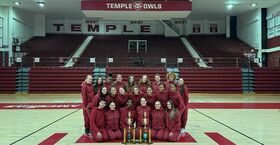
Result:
pixel 15 106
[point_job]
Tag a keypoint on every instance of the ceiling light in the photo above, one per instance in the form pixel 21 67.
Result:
pixel 229 6
pixel 41 4
pixel 17 3
pixel 254 4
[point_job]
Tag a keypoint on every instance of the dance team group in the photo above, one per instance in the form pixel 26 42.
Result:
pixel 106 104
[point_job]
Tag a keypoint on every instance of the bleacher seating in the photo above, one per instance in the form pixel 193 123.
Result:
pixel 51 49
pixel 223 51
pixel 57 79
pixel 267 80
pixel 8 79
pixel 212 79
pixel 68 80
pixel 138 72
pixel 102 47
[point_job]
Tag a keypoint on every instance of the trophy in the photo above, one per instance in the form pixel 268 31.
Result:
pixel 129 133
pixel 146 135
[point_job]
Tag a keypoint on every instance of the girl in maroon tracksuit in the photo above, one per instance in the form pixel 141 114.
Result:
pixel 175 96
pixel 87 96
pixel 144 83
pixel 170 79
pixel 124 114
pixel 112 97
pixel 173 123
pixel 151 97
pixel 121 98
pixel 108 82
pixel 140 113
pixel 163 95
pixel 100 96
pixel 119 82
pixel 158 121
pixel 112 122
pixel 135 96
pixel 130 84
pixel 156 83
pixel 183 90
pixel 98 85
pixel 97 122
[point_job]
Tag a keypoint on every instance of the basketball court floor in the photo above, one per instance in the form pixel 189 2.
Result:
pixel 225 119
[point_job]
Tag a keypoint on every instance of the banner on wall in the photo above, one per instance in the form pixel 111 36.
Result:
pixel 98 27
pixel 136 5
pixel 196 28
pixel 213 28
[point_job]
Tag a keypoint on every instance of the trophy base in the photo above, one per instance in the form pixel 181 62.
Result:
pixel 137 141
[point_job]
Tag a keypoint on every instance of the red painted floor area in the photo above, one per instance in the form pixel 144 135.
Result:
pixel 191 105
pixel 219 139
pixel 53 139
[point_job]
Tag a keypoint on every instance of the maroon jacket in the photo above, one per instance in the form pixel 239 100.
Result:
pixel 121 99
pixel 120 84
pixel 158 119
pixel 173 125
pixel 124 114
pixel 129 87
pixel 143 87
pixel 107 84
pixel 136 98
pixel 155 87
pixel 168 83
pixel 112 119
pixel 140 115
pixel 177 100
pixel 184 92
pixel 97 98
pixel 87 94
pixel 97 120
pixel 151 99
pixel 163 97
pixel 111 98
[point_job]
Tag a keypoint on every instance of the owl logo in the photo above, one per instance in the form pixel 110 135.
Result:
pixel 137 5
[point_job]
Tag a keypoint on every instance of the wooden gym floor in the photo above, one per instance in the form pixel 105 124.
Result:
pixel 226 119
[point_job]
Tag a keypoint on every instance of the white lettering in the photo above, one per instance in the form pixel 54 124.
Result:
pixel 108 5
pixel 118 6
pixel 152 6
pixel 130 6
pixel 159 6
pixel 41 106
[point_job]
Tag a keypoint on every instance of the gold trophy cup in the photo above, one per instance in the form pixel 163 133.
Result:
pixel 145 136
pixel 129 133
